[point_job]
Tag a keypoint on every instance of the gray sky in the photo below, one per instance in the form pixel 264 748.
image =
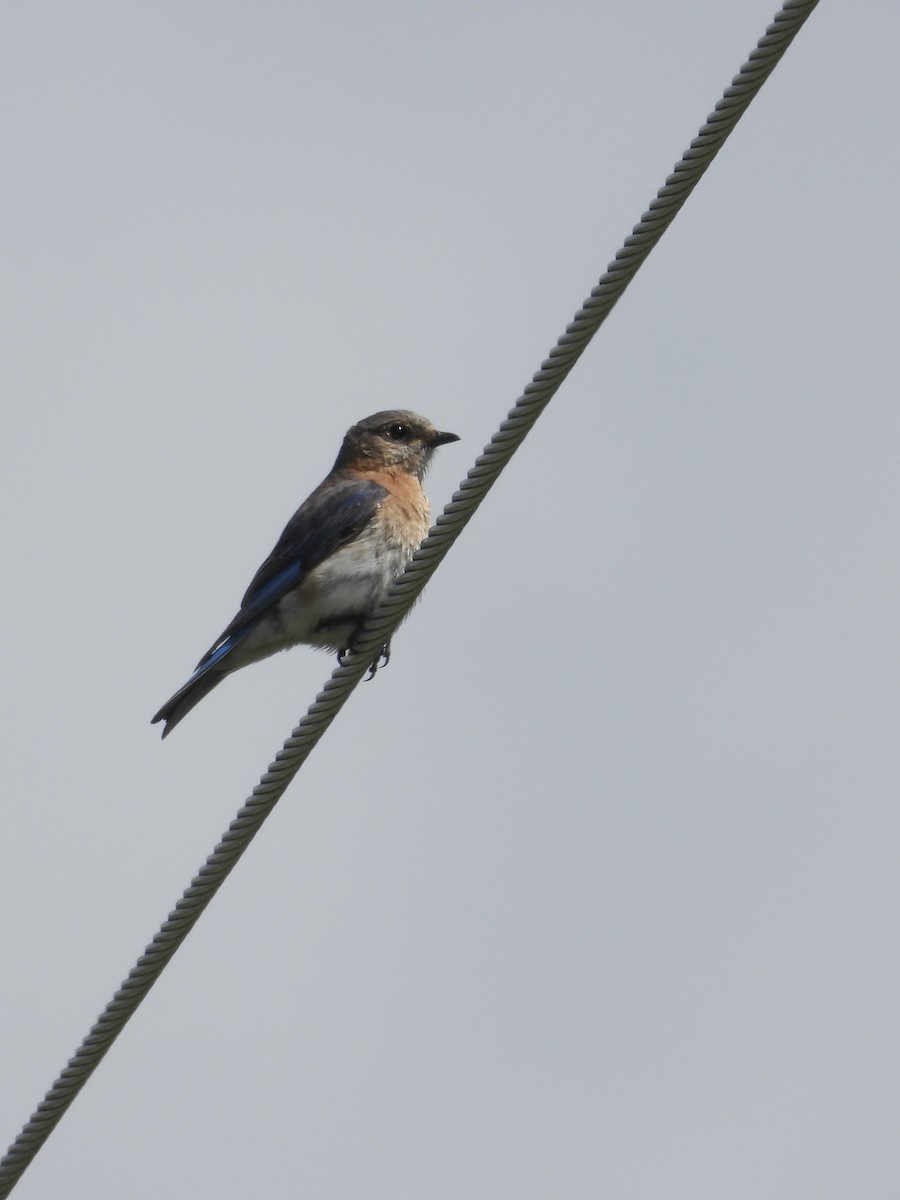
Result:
pixel 594 892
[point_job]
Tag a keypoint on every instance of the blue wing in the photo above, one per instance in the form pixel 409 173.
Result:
pixel 336 513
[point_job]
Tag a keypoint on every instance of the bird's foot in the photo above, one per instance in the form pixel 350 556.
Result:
pixel 384 657
pixel 381 660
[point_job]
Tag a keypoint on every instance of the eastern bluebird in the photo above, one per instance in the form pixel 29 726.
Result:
pixel 336 558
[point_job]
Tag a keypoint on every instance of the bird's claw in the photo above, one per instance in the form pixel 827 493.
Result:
pixel 381 660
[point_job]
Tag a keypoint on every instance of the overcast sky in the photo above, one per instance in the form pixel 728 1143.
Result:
pixel 594 892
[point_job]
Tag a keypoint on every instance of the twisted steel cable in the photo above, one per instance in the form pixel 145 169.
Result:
pixel 403 593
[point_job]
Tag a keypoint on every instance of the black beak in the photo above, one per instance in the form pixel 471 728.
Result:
pixel 441 439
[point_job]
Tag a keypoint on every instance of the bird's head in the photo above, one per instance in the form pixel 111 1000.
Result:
pixel 396 440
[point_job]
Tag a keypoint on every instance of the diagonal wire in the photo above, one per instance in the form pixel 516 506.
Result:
pixel 405 590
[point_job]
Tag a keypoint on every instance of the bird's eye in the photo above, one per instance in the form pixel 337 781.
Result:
pixel 397 432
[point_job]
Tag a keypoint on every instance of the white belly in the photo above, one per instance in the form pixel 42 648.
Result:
pixel 333 601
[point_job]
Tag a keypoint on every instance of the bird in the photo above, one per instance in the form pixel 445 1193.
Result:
pixel 336 558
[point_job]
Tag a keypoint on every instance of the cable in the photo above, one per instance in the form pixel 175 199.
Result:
pixel 405 590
